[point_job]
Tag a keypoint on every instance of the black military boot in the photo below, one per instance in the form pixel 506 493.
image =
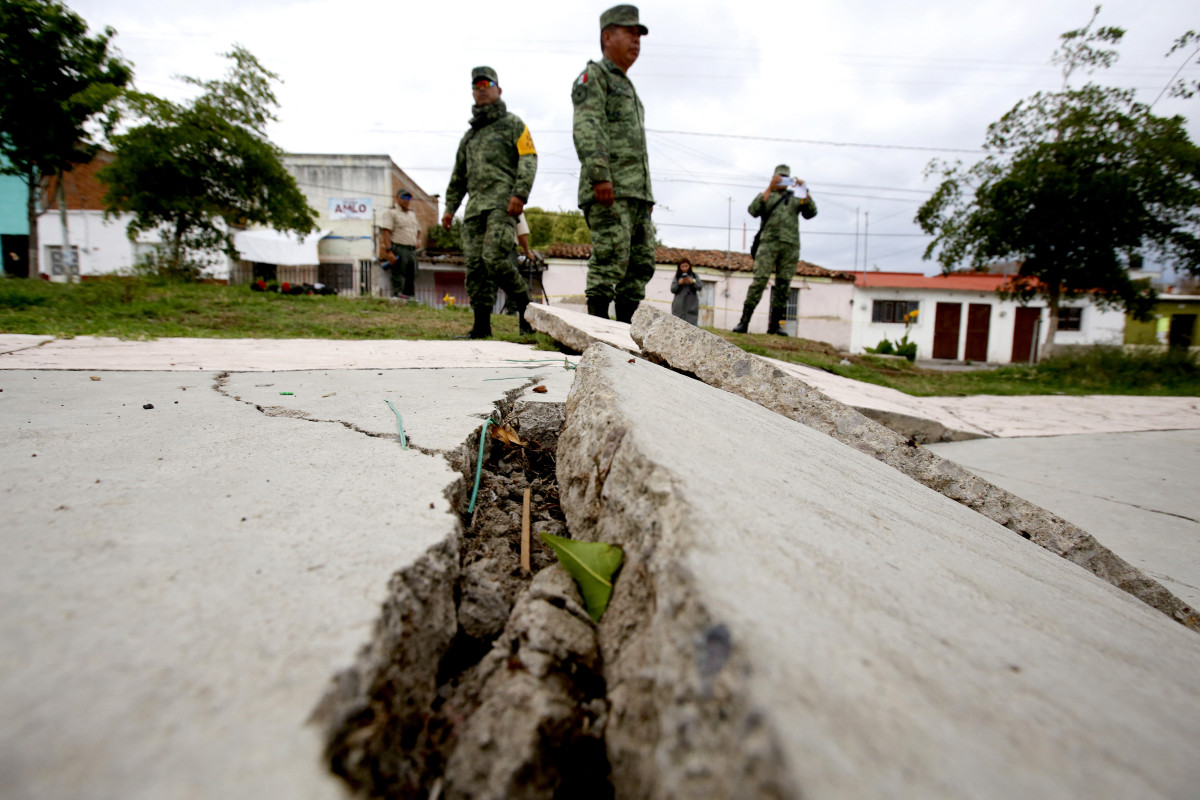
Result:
pixel 625 309
pixel 598 306
pixel 747 312
pixel 773 326
pixel 482 329
pixel 521 302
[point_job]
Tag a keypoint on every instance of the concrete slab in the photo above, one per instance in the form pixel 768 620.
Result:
pixel 795 618
pixel 578 330
pixel 256 355
pixel 930 419
pixel 719 363
pixel 178 584
pixel 1136 492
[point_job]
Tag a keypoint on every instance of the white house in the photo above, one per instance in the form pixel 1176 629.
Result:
pixel 961 318
pixel 818 302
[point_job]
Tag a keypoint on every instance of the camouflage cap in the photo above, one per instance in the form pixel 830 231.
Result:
pixel 484 72
pixel 784 170
pixel 622 15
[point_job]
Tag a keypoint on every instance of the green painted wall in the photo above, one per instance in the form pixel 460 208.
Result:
pixel 1147 332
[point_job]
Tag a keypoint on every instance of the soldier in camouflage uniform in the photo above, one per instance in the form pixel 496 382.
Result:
pixel 614 179
pixel 778 247
pixel 494 167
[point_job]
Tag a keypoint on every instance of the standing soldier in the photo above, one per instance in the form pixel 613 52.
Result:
pixel 614 177
pixel 495 166
pixel 778 245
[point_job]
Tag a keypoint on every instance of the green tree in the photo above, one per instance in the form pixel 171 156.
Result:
pixel 1077 185
pixel 541 223
pixel 194 170
pixel 54 81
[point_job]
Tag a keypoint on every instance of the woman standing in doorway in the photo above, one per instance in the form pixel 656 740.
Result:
pixel 686 289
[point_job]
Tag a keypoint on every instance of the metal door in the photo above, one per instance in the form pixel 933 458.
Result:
pixel 1024 335
pixel 979 322
pixel 946 323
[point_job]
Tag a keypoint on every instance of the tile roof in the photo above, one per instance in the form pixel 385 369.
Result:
pixel 969 281
pixel 715 259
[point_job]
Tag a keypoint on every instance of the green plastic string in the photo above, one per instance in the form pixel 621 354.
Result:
pixel 399 425
pixel 479 464
pixel 518 378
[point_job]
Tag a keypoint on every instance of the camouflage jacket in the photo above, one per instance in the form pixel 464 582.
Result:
pixel 610 133
pixel 496 160
pixel 783 226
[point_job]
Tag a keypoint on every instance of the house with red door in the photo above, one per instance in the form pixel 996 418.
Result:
pixel 959 317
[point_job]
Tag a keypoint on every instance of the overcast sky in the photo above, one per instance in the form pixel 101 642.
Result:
pixel 856 95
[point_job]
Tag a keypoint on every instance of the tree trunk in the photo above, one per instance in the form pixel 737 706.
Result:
pixel 1052 298
pixel 31 215
pixel 67 255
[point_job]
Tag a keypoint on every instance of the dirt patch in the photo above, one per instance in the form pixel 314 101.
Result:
pixel 483 679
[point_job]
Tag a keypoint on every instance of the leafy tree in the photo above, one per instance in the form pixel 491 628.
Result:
pixel 546 227
pixel 54 81
pixel 441 239
pixel 193 170
pixel 1078 185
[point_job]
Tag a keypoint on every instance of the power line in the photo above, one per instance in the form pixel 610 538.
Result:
pixel 821 142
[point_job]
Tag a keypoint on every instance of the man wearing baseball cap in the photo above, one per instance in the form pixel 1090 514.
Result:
pixel 400 232
pixel 776 248
pixel 614 178
pixel 495 167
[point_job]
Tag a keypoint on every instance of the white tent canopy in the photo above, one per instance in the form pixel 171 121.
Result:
pixel 279 248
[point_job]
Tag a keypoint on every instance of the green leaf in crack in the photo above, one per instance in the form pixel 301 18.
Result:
pixel 593 565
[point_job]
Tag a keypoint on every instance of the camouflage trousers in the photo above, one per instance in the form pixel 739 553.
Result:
pixel 487 240
pixel 778 259
pixel 622 261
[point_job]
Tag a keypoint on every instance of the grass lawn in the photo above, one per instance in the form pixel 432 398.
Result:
pixel 138 308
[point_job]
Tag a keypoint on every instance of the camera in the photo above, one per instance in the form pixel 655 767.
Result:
pixel 784 180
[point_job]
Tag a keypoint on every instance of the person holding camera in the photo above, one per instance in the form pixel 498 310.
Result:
pixel 686 289
pixel 776 248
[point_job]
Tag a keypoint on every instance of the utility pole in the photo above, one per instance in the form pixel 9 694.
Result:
pixel 866 236
pixel 729 239
pixel 856 239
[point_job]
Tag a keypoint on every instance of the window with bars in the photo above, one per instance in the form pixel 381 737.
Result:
pixel 1070 319
pixel 893 310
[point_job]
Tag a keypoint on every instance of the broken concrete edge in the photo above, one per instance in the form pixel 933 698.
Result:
pixel 560 325
pixel 693 351
pixel 681 721
pixel 919 429
pixel 423 709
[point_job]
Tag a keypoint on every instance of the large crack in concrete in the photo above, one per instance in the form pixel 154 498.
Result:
pixel 481 679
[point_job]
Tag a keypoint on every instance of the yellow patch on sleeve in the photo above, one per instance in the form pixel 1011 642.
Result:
pixel 525 144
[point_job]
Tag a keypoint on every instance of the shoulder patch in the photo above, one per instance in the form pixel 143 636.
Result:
pixel 579 91
pixel 525 144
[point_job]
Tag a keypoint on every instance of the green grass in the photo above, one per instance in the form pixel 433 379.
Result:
pixel 138 308
pixel 1101 370
pixel 141 308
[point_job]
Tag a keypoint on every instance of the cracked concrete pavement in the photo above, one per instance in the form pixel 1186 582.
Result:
pixel 180 583
pixel 1135 492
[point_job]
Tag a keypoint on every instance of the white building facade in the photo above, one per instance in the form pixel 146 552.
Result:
pixel 961 318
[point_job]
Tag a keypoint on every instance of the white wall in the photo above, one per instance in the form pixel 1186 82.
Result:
pixel 103 245
pixel 1098 326
pixel 824 311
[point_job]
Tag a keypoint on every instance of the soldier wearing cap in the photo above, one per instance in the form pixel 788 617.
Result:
pixel 777 249
pixel 614 178
pixel 494 168
pixel 400 235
